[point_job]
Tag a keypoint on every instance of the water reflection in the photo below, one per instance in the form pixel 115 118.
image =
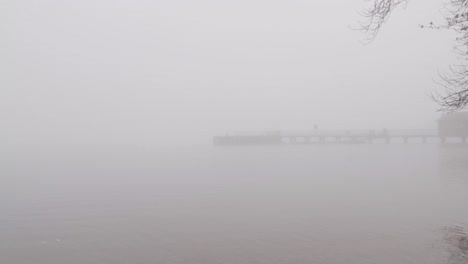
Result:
pixel 454 163
pixel 457 240
pixel 454 171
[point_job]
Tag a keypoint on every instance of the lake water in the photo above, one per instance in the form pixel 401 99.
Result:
pixel 330 204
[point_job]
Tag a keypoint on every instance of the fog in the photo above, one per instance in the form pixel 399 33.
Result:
pixel 188 132
pixel 178 72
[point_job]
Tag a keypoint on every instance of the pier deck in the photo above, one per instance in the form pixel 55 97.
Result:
pixel 335 137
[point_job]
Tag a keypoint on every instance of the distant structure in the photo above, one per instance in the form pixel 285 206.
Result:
pixel 452 128
pixel 324 137
pixel 271 138
pixel 454 125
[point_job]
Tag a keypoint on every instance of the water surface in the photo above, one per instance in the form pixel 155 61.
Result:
pixel 280 204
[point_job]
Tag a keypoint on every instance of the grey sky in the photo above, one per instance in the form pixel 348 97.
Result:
pixel 148 72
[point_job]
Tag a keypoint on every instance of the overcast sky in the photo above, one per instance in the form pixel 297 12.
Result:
pixel 154 72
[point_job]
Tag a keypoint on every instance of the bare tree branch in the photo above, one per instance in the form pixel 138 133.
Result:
pixel 376 15
pixel 455 83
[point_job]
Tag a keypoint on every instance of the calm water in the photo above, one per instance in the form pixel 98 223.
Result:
pixel 284 204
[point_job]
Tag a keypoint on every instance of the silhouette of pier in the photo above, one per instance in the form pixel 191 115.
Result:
pixel 336 137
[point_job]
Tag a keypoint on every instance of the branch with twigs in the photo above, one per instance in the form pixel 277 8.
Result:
pixel 455 83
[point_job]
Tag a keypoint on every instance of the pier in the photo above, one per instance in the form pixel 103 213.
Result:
pixel 316 136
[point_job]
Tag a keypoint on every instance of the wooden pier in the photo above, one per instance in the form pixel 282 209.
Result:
pixel 337 137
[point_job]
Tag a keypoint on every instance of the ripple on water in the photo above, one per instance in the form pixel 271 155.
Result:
pixel 457 240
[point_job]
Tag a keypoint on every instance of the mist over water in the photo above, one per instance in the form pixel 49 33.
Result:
pixel 268 204
pixel 108 111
